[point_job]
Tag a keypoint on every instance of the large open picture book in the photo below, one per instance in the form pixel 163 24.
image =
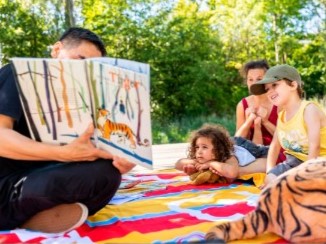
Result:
pixel 62 97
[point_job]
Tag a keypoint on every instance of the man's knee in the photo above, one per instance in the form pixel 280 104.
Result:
pixel 74 181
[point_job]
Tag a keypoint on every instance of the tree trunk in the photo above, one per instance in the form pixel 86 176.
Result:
pixel 69 14
pixel 276 47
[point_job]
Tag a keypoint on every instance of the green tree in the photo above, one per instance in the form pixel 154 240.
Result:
pixel 22 30
pixel 195 47
pixel 27 28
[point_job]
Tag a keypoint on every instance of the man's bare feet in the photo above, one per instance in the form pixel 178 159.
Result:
pixel 122 164
pixel 61 218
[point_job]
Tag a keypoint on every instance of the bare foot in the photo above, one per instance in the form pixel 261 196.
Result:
pixel 122 164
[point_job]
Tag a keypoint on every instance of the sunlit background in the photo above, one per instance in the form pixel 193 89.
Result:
pixel 195 48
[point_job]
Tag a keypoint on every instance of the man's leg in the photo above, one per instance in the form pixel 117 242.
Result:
pixel 90 183
pixel 61 218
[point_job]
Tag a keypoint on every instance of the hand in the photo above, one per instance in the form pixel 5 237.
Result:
pixel 250 113
pixel 268 179
pixel 262 113
pixel 201 166
pixel 189 169
pixel 122 164
pixel 82 149
pixel 216 168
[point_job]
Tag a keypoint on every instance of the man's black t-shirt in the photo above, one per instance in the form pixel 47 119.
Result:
pixel 9 100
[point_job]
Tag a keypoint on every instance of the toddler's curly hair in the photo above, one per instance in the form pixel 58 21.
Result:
pixel 222 143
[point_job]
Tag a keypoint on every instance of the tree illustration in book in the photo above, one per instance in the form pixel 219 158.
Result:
pixel 61 98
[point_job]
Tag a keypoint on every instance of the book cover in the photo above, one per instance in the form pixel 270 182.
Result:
pixel 61 98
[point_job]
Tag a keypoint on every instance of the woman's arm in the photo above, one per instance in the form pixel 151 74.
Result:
pixel 263 114
pixel 240 115
pixel 243 122
pixel 270 127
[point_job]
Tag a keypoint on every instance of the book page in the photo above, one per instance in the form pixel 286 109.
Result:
pixel 55 97
pixel 61 98
pixel 121 98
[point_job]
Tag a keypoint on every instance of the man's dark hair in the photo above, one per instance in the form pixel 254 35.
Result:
pixel 75 35
pixel 257 64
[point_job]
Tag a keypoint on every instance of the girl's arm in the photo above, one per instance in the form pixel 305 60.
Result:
pixel 186 165
pixel 228 169
pixel 313 117
pixel 273 153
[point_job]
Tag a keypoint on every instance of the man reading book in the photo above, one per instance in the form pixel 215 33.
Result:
pixel 46 187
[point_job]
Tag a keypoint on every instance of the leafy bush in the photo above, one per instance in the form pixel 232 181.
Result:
pixel 178 131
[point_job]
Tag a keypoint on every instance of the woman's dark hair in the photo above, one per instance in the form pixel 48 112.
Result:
pixel 256 64
pixel 75 35
pixel 221 140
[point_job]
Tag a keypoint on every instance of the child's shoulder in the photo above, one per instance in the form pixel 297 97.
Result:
pixel 310 105
pixel 314 111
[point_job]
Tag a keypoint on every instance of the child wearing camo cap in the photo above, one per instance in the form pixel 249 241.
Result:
pixel 301 125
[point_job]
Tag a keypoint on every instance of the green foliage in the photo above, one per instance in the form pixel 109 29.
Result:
pixel 185 65
pixel 195 48
pixel 179 130
pixel 21 31
pixel 310 59
pixel 28 28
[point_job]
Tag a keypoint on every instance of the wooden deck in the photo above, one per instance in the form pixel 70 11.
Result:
pixel 165 156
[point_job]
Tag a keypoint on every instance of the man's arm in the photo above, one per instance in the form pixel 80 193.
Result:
pixel 16 146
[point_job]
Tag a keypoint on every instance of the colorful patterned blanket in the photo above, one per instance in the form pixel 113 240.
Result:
pixel 161 207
